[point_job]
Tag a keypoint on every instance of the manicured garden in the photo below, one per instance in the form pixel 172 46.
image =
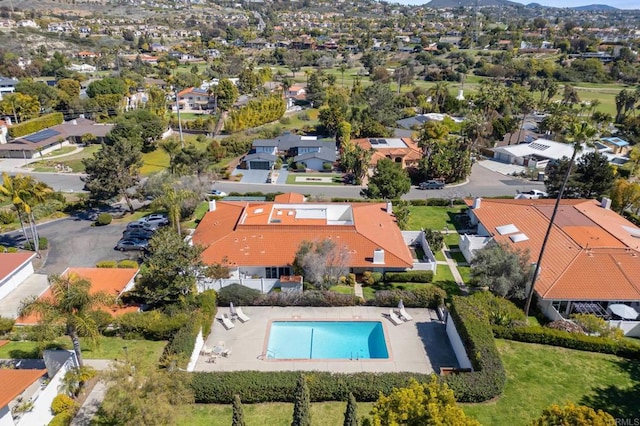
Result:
pixel 74 161
pixel 433 217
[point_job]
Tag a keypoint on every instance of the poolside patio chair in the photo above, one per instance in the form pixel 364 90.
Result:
pixel 241 315
pixel 394 318
pixel 206 350
pixel 226 321
pixel 226 353
pixel 405 316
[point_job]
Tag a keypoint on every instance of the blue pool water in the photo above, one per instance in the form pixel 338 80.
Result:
pixel 326 340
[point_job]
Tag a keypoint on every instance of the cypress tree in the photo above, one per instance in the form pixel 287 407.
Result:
pixel 301 413
pixel 351 413
pixel 238 412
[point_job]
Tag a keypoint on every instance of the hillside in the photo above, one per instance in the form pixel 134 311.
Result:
pixel 444 4
pixel 596 7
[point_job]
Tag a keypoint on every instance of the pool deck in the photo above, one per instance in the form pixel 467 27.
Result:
pixel 419 346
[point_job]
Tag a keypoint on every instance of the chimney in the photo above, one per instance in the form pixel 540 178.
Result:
pixel 389 207
pixel 378 256
pixel 605 203
pixel 212 205
pixel 476 203
pixel 81 116
pixel 74 122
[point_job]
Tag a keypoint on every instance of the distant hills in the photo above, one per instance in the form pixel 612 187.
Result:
pixel 448 4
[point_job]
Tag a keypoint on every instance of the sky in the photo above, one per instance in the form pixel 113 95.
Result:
pixel 620 4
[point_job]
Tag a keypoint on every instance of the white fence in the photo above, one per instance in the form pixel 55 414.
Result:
pixel 265 285
pixel 456 344
pixel 428 263
pixel 196 351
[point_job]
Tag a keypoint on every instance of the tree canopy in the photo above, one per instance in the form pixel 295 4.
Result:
pixel 389 181
pixel 573 415
pixel 321 262
pixel 592 177
pixel 506 272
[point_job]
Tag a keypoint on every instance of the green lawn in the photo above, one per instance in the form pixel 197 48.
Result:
pixel 73 161
pixel 457 257
pixel 109 348
pixel 465 273
pixel 342 289
pixel 158 160
pixel 538 376
pixel 439 256
pixel 274 414
pixel 444 279
pixel 432 217
pixel 63 150
pixel 451 239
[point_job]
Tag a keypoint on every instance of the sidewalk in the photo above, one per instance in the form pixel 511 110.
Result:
pixel 90 406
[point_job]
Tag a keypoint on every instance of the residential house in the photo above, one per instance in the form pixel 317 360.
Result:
pixel 82 68
pixel 403 151
pixel 536 154
pixel 258 43
pixel 7 85
pixel 47 140
pixel 16 384
pixel 592 257
pixel 86 54
pixel 15 268
pixel 310 151
pixel 417 121
pixel 195 98
pixel 261 239
pixel 617 145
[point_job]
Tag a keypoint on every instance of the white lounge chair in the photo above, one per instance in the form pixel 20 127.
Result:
pixel 206 350
pixel 394 318
pixel 241 315
pixel 226 321
pixel 405 316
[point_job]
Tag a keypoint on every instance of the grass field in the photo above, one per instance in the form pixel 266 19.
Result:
pixel 158 160
pixel 109 348
pixel 336 180
pixel 433 217
pixel 72 161
pixel 538 376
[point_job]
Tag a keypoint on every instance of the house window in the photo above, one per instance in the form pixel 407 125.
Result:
pixel 275 272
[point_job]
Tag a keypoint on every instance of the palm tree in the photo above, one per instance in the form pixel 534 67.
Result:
pixel 171 200
pixel 342 68
pixel 71 304
pixel 35 193
pixel 438 94
pixel 172 147
pixel 579 134
pixel 11 187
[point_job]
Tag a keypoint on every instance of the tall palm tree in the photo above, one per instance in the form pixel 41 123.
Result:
pixel 171 200
pixel 438 94
pixel 35 193
pixel 579 134
pixel 70 304
pixel 12 188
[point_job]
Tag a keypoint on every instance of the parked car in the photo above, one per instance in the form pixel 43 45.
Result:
pixel 137 234
pixel 139 225
pixel 431 184
pixel 534 194
pixel 156 218
pixel 131 244
pixel 217 193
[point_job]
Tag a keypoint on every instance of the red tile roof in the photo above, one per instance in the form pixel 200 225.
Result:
pixel 269 234
pixel 9 262
pixel 590 255
pixel 14 382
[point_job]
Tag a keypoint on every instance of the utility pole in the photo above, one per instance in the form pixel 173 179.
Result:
pixel 175 90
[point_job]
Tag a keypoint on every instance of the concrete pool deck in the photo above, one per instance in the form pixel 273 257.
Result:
pixel 419 346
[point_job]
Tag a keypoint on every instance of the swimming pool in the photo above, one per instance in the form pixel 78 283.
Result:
pixel 326 340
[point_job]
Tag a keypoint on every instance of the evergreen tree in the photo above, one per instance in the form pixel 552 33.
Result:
pixel 301 405
pixel 351 413
pixel 238 412
pixel 390 181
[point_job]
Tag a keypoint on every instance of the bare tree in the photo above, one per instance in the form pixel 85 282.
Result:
pixel 322 262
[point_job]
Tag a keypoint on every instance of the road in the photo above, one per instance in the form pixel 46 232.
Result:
pixel 482 183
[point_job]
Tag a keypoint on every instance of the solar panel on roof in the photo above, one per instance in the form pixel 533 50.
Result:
pixel 373 141
pixel 41 135
pixel 538 146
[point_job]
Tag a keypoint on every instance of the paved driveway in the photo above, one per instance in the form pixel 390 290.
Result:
pixel 74 241
pixel 253 176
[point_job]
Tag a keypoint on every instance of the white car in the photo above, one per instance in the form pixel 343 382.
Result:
pixel 217 193
pixel 534 194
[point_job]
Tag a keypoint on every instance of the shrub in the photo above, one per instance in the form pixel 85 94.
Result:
pixel 428 297
pixel 182 344
pixel 371 278
pixel 409 276
pixel 107 264
pixel 257 386
pixel 307 298
pixel 48 208
pixel 285 120
pixel 36 124
pixel 43 243
pixel 62 419
pixel 7 217
pixel 592 324
pixel 102 319
pixel 488 378
pixel 128 264
pixel 62 403
pixel 206 301
pixel 435 239
pixel 6 325
pixel 237 294
pixel 152 325
pixel 300 166
pixel 497 310
pixel 582 342
pixel 104 219
pixel 327 166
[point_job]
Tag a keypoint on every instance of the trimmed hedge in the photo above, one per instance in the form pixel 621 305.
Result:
pixel 107 264
pixel 582 342
pixel 409 277
pixel 237 294
pixel 428 297
pixel 182 343
pixel 488 378
pixel 36 124
pixel 307 298
pixel 152 325
pixel 278 386
pixel 104 219
pixel 128 264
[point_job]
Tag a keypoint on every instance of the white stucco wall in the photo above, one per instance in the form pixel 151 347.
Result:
pixel 11 282
pixel 196 351
pixel 456 344
pixel 6 419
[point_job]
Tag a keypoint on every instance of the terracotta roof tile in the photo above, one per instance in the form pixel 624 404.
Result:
pixel 9 262
pixel 589 254
pixel 14 382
